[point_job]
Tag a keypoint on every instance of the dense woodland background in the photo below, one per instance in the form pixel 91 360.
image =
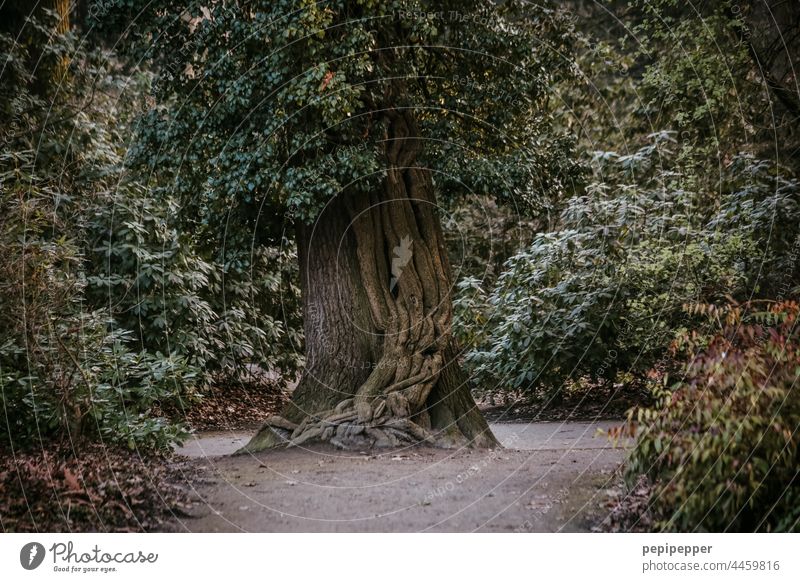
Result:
pixel 634 239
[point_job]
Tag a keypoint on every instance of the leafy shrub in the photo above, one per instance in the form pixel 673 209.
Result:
pixel 604 293
pixel 64 371
pixel 721 443
pixel 220 313
pixel 549 318
pixel 112 312
pixel 761 204
pixel 67 369
pixel 469 309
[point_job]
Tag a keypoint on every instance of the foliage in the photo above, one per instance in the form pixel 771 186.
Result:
pixel 63 372
pixel 604 292
pixel 694 85
pixel 113 313
pixel 66 369
pixel 721 443
pixel 762 203
pixel 300 92
pixel 469 305
pixel 130 277
pixel 691 215
pixel 220 316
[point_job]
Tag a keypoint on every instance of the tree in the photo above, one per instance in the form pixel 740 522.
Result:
pixel 338 123
pixel 49 69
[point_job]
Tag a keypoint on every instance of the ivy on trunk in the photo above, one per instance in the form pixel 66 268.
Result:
pixel 382 366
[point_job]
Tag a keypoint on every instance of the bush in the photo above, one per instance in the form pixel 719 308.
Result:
pixel 220 313
pixel 721 443
pixel 114 310
pixel 68 370
pixel 603 294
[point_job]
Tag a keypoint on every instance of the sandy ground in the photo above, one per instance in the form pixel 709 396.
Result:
pixel 550 476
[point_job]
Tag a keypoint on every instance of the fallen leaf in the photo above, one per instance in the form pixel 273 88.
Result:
pixel 71 480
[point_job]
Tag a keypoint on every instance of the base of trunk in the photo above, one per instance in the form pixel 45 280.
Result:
pixel 354 436
pixel 450 420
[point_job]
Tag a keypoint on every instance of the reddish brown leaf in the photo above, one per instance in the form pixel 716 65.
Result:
pixel 71 480
pixel 326 80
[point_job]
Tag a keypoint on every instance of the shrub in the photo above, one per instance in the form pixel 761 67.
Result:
pixel 112 311
pixel 604 293
pixel 68 370
pixel 721 443
pixel 220 313
pixel 547 313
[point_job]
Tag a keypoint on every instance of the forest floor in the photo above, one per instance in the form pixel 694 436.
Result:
pixel 557 471
pixel 549 476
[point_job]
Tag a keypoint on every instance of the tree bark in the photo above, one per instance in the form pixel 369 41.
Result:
pixel 13 19
pixel 381 361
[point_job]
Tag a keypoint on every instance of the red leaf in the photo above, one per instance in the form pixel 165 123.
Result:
pixel 71 480
pixel 326 80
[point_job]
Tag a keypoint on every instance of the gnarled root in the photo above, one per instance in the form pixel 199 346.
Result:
pixel 355 423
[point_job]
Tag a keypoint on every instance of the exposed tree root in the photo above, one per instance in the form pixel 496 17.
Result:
pixel 345 431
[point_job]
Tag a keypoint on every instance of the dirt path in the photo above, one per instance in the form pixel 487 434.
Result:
pixel 550 477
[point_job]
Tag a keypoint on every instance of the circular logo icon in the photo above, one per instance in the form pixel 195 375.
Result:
pixel 31 555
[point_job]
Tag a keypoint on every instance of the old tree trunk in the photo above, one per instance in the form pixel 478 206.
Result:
pixel 381 366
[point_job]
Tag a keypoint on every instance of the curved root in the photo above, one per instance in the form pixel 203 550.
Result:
pixel 345 429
